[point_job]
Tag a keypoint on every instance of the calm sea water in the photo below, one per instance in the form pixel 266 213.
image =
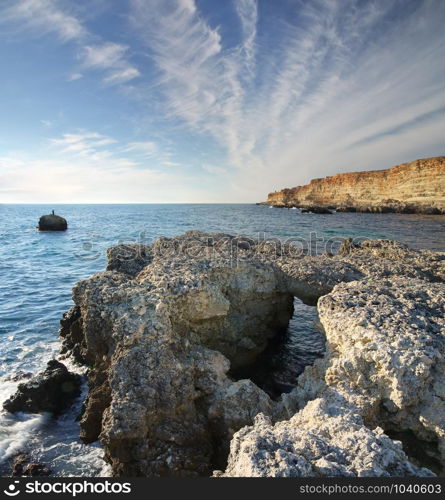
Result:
pixel 38 270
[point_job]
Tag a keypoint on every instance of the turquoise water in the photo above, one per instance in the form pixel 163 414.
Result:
pixel 38 270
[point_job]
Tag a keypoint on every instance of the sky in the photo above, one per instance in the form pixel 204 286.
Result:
pixel 200 101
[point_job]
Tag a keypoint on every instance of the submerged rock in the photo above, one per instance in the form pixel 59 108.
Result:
pixel 163 325
pixel 52 222
pixel 23 466
pixel 52 390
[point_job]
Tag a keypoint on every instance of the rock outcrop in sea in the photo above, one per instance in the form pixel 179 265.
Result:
pixel 52 222
pixel 165 327
pixel 52 390
pixel 416 187
pixel 24 466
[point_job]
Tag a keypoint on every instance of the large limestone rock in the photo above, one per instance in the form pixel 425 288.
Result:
pixel 160 343
pixel 416 187
pixel 326 438
pixel 383 368
pixel 162 328
pixel 385 355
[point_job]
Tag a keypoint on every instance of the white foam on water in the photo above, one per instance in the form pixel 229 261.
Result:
pixel 45 439
pixel 16 431
pixel 57 443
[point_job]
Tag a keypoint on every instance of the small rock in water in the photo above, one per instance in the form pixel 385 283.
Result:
pixel 19 375
pixel 315 210
pixel 23 466
pixel 52 222
pixel 52 390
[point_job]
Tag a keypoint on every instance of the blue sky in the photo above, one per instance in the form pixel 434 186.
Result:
pixel 155 101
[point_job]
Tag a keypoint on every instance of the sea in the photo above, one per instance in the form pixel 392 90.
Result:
pixel 39 269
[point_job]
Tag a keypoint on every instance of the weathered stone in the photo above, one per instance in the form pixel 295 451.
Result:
pixel 52 222
pixel 128 259
pixel 315 210
pixel 18 375
pixel 385 354
pixel 161 333
pixel 161 343
pixel 326 438
pixel 52 390
pixel 23 466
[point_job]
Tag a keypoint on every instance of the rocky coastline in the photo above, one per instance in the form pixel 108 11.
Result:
pixel 415 187
pixel 162 329
pixel 165 329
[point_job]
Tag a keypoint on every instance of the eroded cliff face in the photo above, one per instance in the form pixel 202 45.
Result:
pixel 416 187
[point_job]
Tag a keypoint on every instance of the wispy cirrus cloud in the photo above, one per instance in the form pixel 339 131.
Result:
pixel 215 169
pixel 74 76
pixel 45 17
pixel 202 82
pixel 109 56
pixel 146 148
pixel 84 143
pixel 298 103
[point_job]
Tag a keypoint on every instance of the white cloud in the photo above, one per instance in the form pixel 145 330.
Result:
pixel 216 170
pixel 74 76
pixel 77 167
pixel 168 163
pixel 109 56
pixel 202 83
pixel 248 14
pixel 147 148
pixel 43 17
pixel 80 181
pixel 103 56
pixel 121 75
pixel 84 143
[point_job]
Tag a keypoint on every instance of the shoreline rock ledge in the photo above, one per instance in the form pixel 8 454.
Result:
pixel 415 187
pixel 163 326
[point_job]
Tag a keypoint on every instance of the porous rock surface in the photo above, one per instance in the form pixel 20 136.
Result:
pixel 160 340
pixel 161 328
pixel 385 358
pixel 326 438
pixel 386 355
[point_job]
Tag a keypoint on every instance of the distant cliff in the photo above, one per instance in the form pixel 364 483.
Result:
pixel 416 187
